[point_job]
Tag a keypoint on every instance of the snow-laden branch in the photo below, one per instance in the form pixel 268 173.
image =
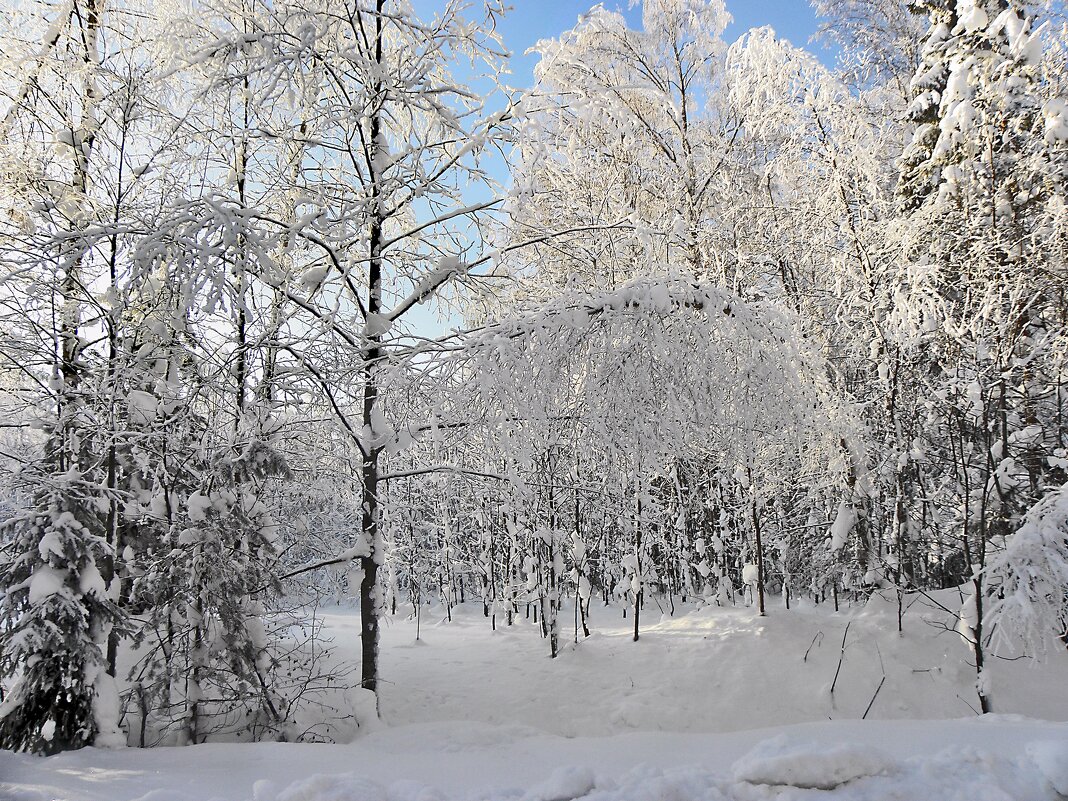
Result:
pixel 1030 577
pixel 448 267
pixel 48 42
pixel 443 468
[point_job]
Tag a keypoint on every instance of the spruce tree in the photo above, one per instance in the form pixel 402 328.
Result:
pixel 55 618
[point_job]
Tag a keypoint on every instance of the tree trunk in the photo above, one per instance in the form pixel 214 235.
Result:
pixel 638 566
pixel 759 559
pixel 369 612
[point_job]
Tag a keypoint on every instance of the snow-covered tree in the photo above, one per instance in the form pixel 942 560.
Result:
pixel 879 40
pixel 982 189
pixel 618 154
pixel 387 138
pixel 1029 578
pixel 57 616
pixel 59 122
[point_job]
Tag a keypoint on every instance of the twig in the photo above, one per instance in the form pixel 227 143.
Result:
pixel 976 711
pixel 841 656
pixel 819 635
pixel 882 681
pixel 872 701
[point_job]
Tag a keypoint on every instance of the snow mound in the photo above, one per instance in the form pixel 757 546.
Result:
pixel 364 708
pixel 565 784
pixel 342 787
pixel 346 787
pixel 1051 759
pixel 780 762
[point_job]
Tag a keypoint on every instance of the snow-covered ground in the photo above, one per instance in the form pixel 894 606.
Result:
pixel 709 704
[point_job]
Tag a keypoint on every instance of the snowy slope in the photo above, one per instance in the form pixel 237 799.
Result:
pixel 710 704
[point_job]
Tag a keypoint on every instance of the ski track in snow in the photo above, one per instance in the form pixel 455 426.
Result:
pixel 710 704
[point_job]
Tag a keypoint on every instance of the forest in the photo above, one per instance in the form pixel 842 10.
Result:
pixel 302 303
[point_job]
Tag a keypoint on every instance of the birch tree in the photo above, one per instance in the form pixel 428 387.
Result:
pixel 617 138
pixel 389 138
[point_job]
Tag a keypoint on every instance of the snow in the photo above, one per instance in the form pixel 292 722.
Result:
pixel 1051 759
pixel 90 582
pixel 842 526
pixel 803 764
pixel 1056 113
pixel 106 712
pixel 143 406
pixel 712 703
pixel 313 277
pixel 968 617
pixel 971 18
pixel 1030 574
pixel 444 268
pixel 564 784
pixel 750 574
pixel 345 787
pixel 376 325
pixel 50 544
pixel 45 582
pixel 951 761
pixel 197 505
pixel 740 376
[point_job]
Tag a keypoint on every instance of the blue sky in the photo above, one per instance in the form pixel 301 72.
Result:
pixel 531 20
